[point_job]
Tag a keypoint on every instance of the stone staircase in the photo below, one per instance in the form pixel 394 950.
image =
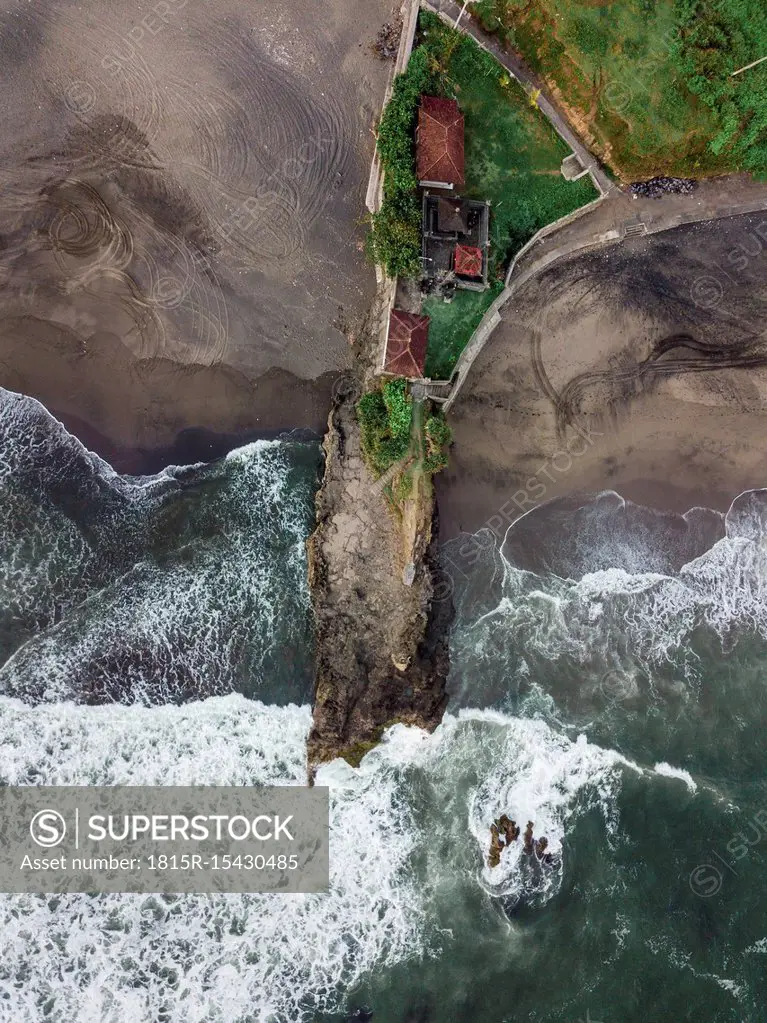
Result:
pixel 438 390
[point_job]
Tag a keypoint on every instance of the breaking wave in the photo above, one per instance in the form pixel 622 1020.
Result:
pixel 590 606
pixel 152 589
pixel 238 958
pixel 156 631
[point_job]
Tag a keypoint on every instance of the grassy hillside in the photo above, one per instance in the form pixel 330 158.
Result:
pixel 649 80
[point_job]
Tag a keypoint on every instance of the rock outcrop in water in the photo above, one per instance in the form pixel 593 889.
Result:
pixel 381 640
pixel 504 831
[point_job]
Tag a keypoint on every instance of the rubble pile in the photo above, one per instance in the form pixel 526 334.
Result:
pixel 387 41
pixel 655 188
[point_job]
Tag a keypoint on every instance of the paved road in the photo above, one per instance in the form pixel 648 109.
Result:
pixel 529 81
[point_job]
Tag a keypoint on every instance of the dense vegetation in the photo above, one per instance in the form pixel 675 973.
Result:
pixel 438 439
pixel 513 155
pixel 394 241
pixel 388 435
pixel 650 80
pixel 717 37
pixel 385 417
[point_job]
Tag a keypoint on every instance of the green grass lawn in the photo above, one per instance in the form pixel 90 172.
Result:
pixel 649 79
pixel 451 327
pixel 513 156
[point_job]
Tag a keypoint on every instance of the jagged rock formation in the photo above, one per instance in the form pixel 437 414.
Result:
pixel 381 639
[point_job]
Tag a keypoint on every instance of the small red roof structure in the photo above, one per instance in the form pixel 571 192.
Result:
pixel 468 261
pixel 439 143
pixel 406 344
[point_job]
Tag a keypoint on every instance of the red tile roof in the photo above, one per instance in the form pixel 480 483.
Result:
pixel 406 344
pixel 468 261
pixel 439 147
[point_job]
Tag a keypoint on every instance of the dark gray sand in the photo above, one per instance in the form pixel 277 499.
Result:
pixel 640 369
pixel 181 193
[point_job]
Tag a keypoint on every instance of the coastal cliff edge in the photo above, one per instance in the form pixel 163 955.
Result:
pixel 381 643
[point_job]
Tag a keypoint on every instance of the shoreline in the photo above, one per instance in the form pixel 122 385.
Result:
pixel 193 445
pixel 140 415
pixel 183 253
pixel 642 371
pixel 469 503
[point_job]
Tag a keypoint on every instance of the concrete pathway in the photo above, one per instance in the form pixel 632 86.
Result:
pixel 530 82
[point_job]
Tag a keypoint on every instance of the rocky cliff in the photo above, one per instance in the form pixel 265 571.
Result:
pixel 381 644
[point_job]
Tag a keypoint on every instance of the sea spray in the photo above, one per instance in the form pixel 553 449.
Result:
pixel 609 622
pixel 632 789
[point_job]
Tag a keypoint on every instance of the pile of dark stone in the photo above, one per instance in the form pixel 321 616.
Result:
pixel 655 188
pixel 387 41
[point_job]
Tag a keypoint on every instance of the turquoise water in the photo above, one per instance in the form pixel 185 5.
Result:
pixel 607 684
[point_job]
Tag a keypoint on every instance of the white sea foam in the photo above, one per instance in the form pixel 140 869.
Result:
pixel 147 589
pixel 406 828
pixel 667 771
pixel 536 774
pixel 663 946
pixel 223 741
pixel 233 958
pixel 241 958
pixel 613 615
pixel 28 428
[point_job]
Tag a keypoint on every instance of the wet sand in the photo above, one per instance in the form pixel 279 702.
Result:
pixel 181 190
pixel 640 369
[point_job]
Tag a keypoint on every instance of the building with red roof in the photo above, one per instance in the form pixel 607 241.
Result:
pixel 455 242
pixel 406 344
pixel 468 261
pixel 440 144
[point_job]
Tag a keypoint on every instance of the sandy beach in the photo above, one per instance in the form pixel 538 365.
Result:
pixel 640 368
pixel 180 212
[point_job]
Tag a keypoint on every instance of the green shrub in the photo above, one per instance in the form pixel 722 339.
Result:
pixel 439 437
pixel 589 36
pixel 435 462
pixel 404 487
pixel 499 16
pixel 438 432
pixel 399 405
pixel 371 411
pixel 716 36
pixel 390 450
pixel 394 241
pixel 385 417
pixel 395 130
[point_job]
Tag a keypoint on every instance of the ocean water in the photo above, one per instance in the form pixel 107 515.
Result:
pixel 607 684
pixel 162 589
